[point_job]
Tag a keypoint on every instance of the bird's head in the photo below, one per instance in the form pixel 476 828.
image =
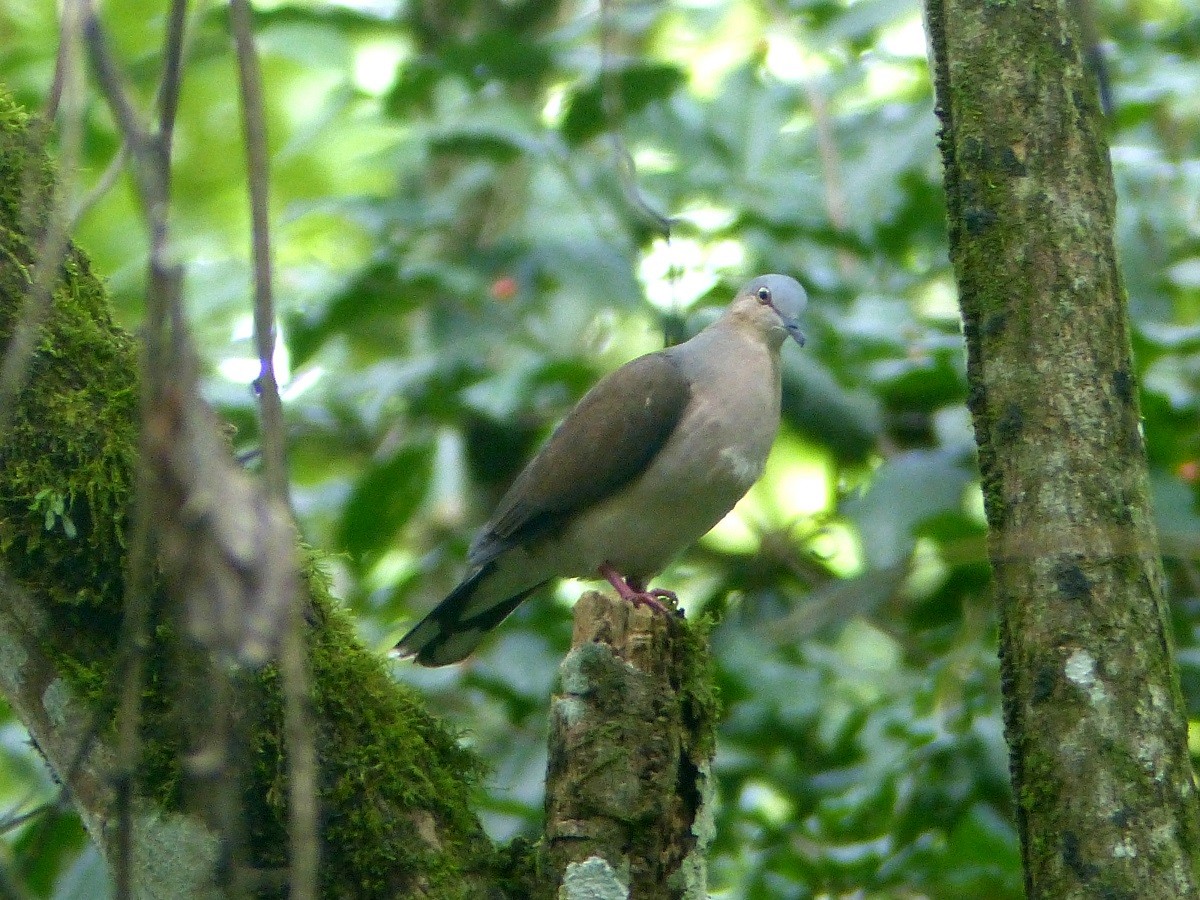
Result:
pixel 772 304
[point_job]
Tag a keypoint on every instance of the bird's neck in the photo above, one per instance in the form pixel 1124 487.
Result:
pixel 734 349
pixel 742 326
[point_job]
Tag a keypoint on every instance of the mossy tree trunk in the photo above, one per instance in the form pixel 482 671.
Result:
pixel 1094 716
pixel 394 785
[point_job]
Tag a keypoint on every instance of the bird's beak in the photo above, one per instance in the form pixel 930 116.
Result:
pixel 793 329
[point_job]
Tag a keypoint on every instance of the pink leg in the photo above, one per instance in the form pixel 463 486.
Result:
pixel 633 590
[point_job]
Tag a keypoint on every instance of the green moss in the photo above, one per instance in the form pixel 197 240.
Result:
pixel 700 697
pixel 71 442
pixel 386 765
pixel 72 439
pixel 517 868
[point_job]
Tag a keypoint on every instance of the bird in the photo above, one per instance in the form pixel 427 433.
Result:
pixel 648 461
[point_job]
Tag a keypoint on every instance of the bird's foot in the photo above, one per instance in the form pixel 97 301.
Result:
pixel 634 591
pixel 663 594
pixel 672 599
pixel 648 598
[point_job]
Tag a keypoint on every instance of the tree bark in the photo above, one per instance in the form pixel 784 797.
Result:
pixel 1093 712
pixel 395 785
pixel 628 786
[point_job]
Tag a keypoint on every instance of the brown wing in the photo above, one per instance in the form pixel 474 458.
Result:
pixel 602 445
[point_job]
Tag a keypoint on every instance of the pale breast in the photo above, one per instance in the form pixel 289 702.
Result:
pixel 714 455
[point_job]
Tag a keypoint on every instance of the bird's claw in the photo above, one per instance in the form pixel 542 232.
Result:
pixel 650 598
pixel 632 590
pixel 671 597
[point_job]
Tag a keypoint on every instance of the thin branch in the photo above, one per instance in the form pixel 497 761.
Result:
pixel 151 172
pixel 301 744
pixel 303 831
pixel 103 185
pixel 610 101
pixel 56 86
pixel 168 102
pixel 172 77
pixel 264 311
pixel 134 644
pixel 137 137
pixel 16 819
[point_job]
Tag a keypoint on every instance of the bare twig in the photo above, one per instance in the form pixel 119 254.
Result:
pixel 151 172
pixel 136 135
pixel 264 312
pixel 168 102
pixel 103 185
pixel 16 819
pixel 60 66
pixel 301 747
pixel 612 106
pixel 172 77
pixel 302 762
pixel 129 711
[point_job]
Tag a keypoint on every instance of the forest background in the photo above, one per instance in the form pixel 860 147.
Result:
pixel 461 251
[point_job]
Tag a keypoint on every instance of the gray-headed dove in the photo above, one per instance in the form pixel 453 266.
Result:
pixel 652 457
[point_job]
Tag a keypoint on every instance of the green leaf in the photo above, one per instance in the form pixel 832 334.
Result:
pixel 377 295
pixel 635 86
pixel 498 55
pixel 384 499
pixel 924 383
pixel 907 491
pixel 496 144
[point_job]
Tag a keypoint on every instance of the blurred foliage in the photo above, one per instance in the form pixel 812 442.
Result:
pixel 459 258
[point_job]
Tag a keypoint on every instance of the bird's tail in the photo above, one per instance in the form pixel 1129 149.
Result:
pixel 455 627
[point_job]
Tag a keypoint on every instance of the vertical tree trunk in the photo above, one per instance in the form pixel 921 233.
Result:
pixel 631 743
pixel 1094 717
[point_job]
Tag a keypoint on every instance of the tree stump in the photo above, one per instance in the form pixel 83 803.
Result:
pixel 628 785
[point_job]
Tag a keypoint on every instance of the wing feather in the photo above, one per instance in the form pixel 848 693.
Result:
pixel 603 444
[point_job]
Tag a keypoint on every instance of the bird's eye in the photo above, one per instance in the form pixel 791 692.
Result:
pixel 764 295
